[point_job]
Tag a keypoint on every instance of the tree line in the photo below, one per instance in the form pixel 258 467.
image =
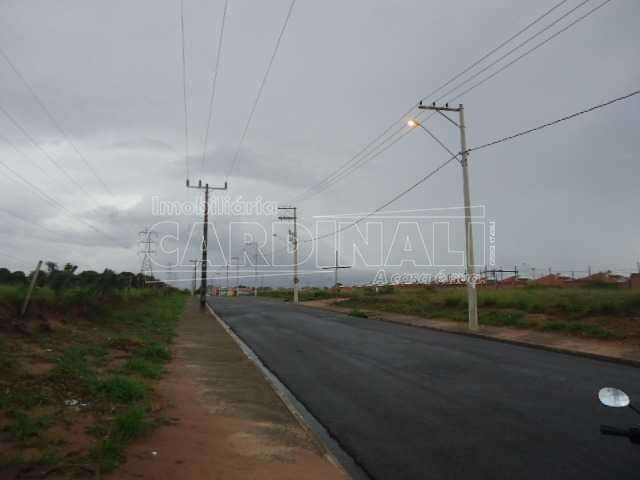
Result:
pixel 66 277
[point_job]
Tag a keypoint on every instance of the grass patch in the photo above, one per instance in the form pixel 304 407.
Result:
pixel 144 368
pixel 572 328
pixel 504 319
pixel 108 454
pixel 155 352
pixel 563 310
pixel 358 313
pixel 122 389
pixel 131 424
pixel 24 427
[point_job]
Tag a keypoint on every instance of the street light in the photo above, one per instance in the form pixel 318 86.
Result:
pixel 472 293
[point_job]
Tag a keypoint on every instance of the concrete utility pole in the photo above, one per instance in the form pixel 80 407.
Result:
pixel 237 263
pixel 336 268
pixel 472 293
pixel 294 241
pixel 255 266
pixel 32 285
pixel 195 271
pixel 205 232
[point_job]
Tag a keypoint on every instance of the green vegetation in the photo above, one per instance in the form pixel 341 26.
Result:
pixel 358 313
pixel 592 311
pixel 93 367
pixel 306 294
pixel 24 427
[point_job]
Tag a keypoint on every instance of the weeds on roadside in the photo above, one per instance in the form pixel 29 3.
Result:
pixel 23 426
pixel 358 313
pixel 121 389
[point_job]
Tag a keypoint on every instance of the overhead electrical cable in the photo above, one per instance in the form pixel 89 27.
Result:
pixel 479 147
pixel 48 198
pixel 184 91
pixel 53 120
pixel 385 205
pixel 554 122
pixel 528 52
pixel 13 257
pixel 347 168
pixel 317 188
pixel 214 84
pixel 262 84
pixel 494 50
pixel 36 144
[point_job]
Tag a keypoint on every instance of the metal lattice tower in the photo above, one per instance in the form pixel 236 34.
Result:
pixel 147 241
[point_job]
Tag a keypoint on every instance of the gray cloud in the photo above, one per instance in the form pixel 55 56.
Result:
pixel 110 72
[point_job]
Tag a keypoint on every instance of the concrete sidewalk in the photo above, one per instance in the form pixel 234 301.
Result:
pixel 225 420
pixel 609 350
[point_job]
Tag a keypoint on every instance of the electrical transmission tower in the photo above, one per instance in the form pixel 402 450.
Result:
pixel 147 241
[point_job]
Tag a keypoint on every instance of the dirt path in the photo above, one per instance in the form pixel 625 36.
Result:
pixel 603 349
pixel 224 421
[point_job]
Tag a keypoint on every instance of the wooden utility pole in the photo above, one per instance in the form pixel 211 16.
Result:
pixel 205 232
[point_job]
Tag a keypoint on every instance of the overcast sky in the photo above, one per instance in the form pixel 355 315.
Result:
pixel 110 73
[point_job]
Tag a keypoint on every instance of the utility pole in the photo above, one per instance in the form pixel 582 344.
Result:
pixel 236 260
pixel 32 285
pixel 255 266
pixel 227 278
pixel 294 241
pixel 195 276
pixel 205 232
pixel 472 293
pixel 335 269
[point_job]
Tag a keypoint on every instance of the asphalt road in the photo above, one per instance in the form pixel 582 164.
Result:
pixel 410 403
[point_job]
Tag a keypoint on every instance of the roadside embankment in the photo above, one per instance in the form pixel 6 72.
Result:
pixel 611 350
pixel 223 420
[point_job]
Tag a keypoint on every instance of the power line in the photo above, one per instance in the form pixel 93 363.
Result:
pixel 47 197
pixel 494 50
pixel 55 123
pixel 214 83
pixel 362 158
pixel 479 147
pixel 346 169
pixel 264 81
pixel 26 220
pixel 36 144
pixel 525 54
pixel 554 122
pixel 8 255
pixel 310 191
pixel 184 91
pixel 393 200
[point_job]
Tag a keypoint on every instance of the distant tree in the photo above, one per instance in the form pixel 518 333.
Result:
pixel 108 282
pixel 87 278
pixel 70 268
pixel 51 266
pixel 5 275
pixel 18 277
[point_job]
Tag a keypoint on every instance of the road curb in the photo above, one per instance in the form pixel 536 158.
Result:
pixel 549 348
pixel 283 394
